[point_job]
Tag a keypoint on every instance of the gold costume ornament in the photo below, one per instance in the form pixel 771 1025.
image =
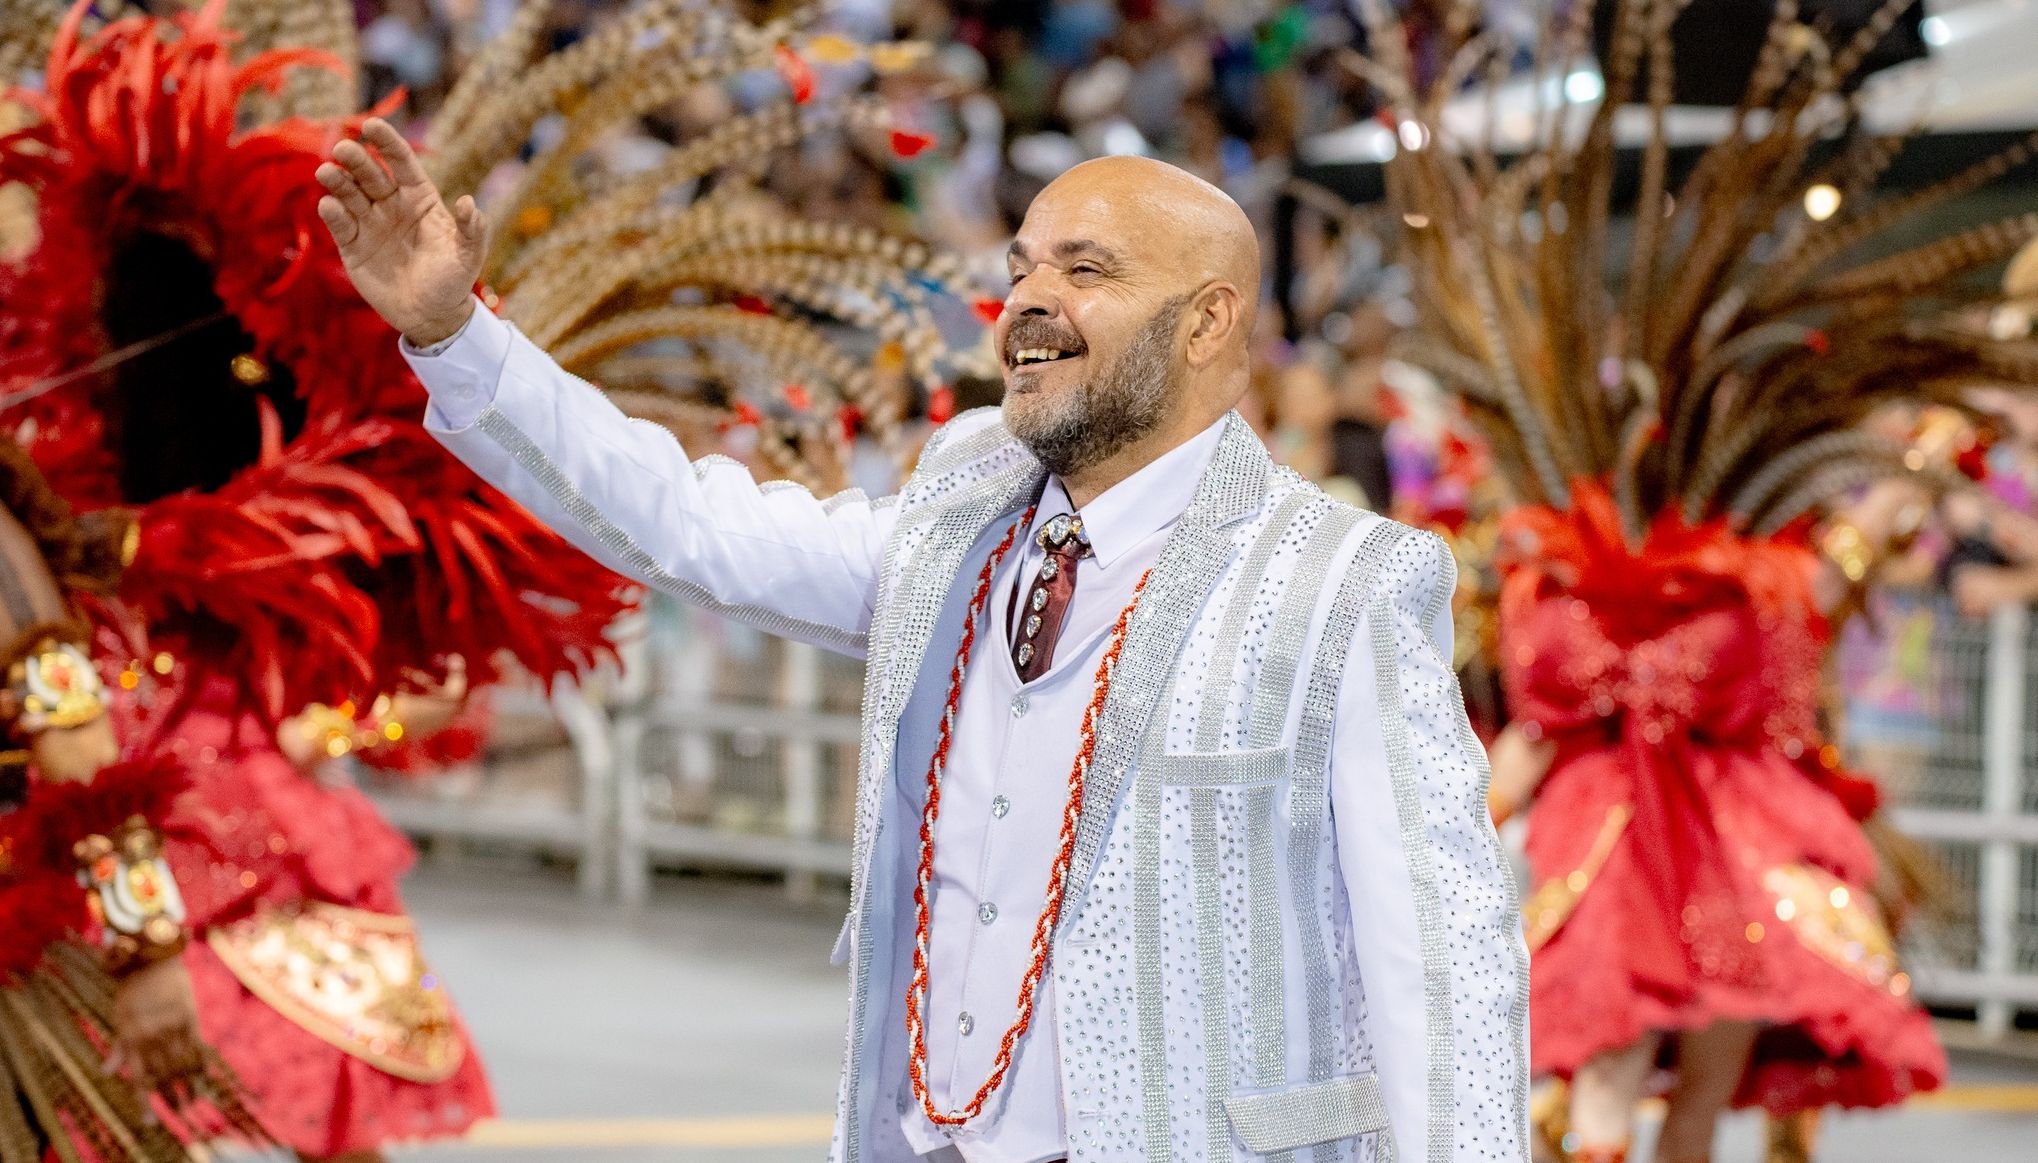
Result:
pixel 133 896
pixel 54 687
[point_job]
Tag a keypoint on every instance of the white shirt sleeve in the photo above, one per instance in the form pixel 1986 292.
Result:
pixel 1434 914
pixel 625 492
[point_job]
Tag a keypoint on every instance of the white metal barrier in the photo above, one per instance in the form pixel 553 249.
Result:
pixel 1977 808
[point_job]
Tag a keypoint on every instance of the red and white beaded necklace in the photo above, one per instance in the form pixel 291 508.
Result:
pixel 1043 929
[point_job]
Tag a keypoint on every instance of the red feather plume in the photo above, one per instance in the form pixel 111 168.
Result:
pixel 349 553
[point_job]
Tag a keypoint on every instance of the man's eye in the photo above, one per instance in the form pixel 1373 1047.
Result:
pixel 1084 269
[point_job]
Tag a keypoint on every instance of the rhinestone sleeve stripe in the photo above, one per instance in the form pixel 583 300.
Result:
pixel 1210 968
pixel 1263 766
pixel 1224 652
pixel 1319 1113
pixel 625 549
pixel 1309 793
pixel 1469 741
pixel 1415 850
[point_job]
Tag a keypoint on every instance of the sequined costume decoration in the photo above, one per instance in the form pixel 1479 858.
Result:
pixel 84 894
pixel 1672 415
pixel 181 338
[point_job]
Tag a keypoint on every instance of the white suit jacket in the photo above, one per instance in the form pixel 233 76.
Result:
pixel 1290 931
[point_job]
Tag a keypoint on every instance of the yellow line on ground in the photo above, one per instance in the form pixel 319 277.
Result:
pixel 813 1130
pixel 2005 1098
pixel 743 1131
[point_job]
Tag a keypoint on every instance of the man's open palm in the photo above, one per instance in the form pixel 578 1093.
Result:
pixel 410 257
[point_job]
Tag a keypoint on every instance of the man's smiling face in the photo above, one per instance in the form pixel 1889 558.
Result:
pixel 1090 335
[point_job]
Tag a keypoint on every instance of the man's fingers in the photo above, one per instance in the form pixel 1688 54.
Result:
pixel 365 170
pixel 403 160
pixel 473 230
pixel 340 184
pixel 344 226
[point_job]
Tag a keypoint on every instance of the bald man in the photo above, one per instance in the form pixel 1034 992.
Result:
pixel 1209 874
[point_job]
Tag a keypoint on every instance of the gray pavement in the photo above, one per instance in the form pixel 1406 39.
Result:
pixel 708 1026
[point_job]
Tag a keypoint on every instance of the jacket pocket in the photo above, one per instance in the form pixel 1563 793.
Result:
pixel 1318 1112
pixel 1254 767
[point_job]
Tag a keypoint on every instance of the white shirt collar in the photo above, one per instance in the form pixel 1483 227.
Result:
pixel 1140 505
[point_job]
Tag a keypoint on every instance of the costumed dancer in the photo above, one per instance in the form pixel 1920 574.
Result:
pixel 181 339
pixel 1702 886
pixel 91 971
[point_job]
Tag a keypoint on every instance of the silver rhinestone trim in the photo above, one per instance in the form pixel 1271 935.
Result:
pixel 1260 766
pixel 1319 1112
pixel 569 498
pixel 1429 917
pixel 703 465
pixel 1224 652
pixel 1308 797
pixel 1146 960
pixel 845 497
pixel 938 458
pixel 1217 1080
pixel 1469 740
pixel 1283 654
pixel 1269 968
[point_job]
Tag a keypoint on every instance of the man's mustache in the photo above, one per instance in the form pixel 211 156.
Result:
pixel 1027 333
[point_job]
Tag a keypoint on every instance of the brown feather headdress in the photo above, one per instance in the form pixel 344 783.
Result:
pixel 1721 366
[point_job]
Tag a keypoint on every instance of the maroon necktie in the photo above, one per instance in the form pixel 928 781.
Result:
pixel 1046 602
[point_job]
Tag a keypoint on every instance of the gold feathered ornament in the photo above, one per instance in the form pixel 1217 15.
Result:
pixel 684 290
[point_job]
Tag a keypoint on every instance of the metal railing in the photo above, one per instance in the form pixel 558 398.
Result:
pixel 1975 804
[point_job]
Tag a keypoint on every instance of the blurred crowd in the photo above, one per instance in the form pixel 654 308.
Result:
pixel 1016 91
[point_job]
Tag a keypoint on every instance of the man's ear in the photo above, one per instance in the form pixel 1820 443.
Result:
pixel 1215 315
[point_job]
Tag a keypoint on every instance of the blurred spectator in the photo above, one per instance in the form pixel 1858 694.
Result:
pixel 1994 559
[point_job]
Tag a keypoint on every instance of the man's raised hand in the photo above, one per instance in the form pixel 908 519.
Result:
pixel 410 257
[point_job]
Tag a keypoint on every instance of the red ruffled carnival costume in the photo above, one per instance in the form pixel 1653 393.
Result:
pixel 351 557
pixel 293 858
pixel 1696 856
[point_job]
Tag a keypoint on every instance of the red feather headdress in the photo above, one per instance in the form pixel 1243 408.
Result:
pixel 183 298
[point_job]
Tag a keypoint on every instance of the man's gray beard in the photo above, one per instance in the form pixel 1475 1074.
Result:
pixel 1118 405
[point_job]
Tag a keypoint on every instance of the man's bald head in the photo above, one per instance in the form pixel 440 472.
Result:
pixel 1209 234
pixel 1134 286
